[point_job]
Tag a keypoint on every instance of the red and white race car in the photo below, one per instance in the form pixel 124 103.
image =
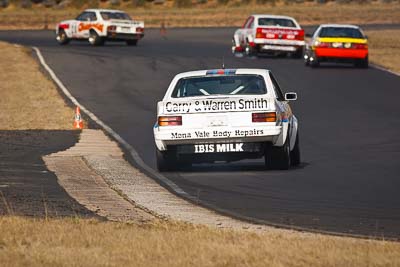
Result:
pixel 99 25
pixel 269 34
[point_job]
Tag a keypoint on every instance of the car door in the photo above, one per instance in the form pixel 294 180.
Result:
pixel 85 21
pixel 285 109
pixel 240 35
pixel 247 30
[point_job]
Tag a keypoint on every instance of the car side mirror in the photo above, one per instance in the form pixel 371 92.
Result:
pixel 308 35
pixel 290 96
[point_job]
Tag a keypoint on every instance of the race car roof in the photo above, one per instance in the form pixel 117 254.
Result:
pixel 221 72
pixel 103 10
pixel 339 25
pixel 272 16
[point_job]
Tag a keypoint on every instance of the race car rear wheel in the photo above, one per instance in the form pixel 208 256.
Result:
pixel 95 39
pixel 278 157
pixel 166 160
pixel 62 38
pixel 315 62
pixel 361 63
pixel 250 51
pixel 295 153
pixel 131 42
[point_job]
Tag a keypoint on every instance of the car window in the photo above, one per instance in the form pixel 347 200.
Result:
pixel 246 22
pixel 276 22
pixel 115 15
pixel 220 85
pixel 87 16
pixel 277 89
pixel 340 32
pixel 251 23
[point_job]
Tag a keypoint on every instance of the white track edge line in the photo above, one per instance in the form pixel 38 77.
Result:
pixel 384 69
pixel 108 129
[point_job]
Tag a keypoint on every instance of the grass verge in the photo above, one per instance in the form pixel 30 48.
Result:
pixel 28 99
pixel 215 16
pixel 76 242
pixel 384 48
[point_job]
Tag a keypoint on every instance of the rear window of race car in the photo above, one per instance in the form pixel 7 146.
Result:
pixel 220 85
pixel 276 22
pixel 340 32
pixel 114 15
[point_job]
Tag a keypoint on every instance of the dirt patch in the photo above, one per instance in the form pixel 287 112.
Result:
pixel 26 186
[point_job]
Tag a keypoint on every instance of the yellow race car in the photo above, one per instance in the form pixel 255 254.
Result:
pixel 337 43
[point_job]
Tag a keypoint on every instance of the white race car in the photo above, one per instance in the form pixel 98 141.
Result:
pixel 226 115
pixel 269 34
pixel 99 25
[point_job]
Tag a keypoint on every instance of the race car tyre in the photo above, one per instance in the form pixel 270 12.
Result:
pixel 250 51
pixel 278 157
pixel 62 38
pixel 95 39
pixel 306 62
pixel 131 42
pixel 362 63
pixel 295 153
pixel 233 46
pixel 166 161
pixel 314 63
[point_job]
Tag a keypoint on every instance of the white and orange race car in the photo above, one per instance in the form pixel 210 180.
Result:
pixel 269 34
pixel 99 25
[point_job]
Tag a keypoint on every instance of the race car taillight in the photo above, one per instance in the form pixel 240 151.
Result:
pixel 260 33
pixel 323 45
pixel 139 29
pixel 170 120
pixel 112 28
pixel 300 35
pixel 264 117
pixel 64 26
pixel 360 46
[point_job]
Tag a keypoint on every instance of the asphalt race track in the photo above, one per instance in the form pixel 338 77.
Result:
pixel 349 180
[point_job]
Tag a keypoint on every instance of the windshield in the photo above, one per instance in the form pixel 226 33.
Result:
pixel 340 32
pixel 220 85
pixel 276 22
pixel 115 15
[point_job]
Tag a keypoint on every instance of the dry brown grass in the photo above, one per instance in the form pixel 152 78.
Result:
pixel 28 100
pixel 216 15
pixel 77 242
pixel 384 48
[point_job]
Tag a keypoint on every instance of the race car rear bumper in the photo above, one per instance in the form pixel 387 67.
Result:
pixel 341 53
pixel 266 45
pixel 296 43
pixel 124 36
pixel 166 136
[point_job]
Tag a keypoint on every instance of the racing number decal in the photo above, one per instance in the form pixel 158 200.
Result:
pixel 73 28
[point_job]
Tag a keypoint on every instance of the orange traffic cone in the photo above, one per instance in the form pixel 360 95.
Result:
pixel 163 29
pixel 78 123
